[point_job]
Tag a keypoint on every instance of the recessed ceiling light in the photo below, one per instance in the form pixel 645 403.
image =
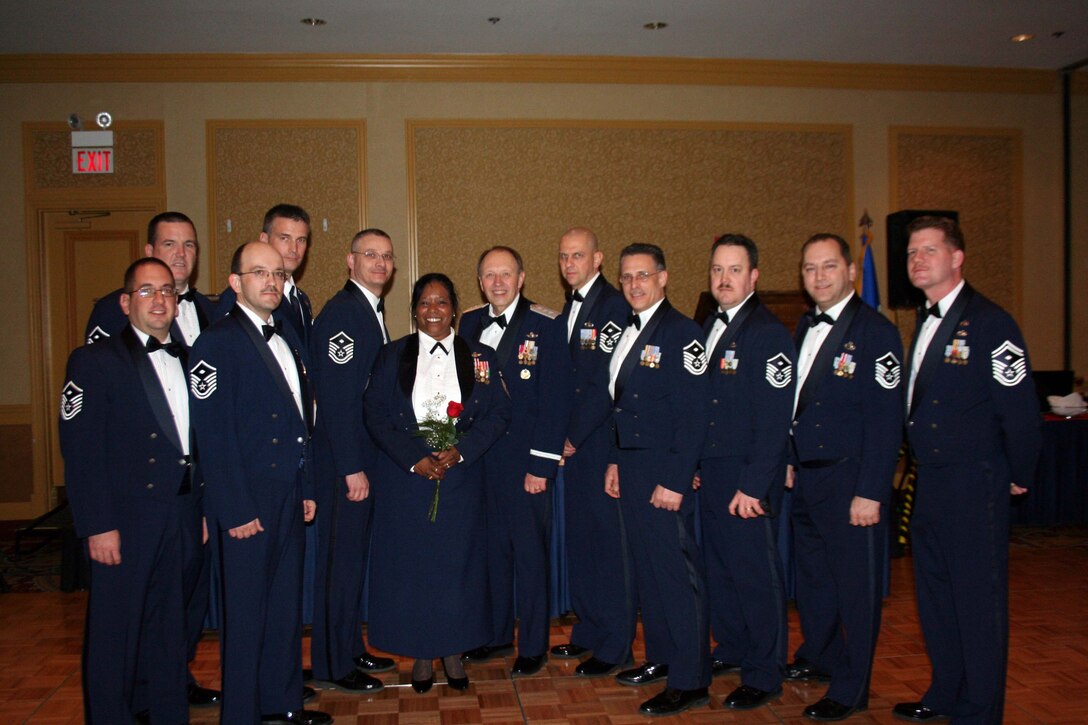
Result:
pixel 1022 37
pixel 655 26
pixel 313 22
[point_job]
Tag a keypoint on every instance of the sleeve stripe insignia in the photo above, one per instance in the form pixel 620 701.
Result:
pixel 1010 365
pixel 202 380
pixel 609 336
pixel 96 334
pixel 71 400
pixel 779 371
pixel 887 371
pixel 341 348
pixel 695 357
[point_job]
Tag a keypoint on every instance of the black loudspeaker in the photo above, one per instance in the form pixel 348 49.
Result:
pixel 901 293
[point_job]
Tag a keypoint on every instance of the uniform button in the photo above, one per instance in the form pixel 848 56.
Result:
pixel 712 423
pixel 820 446
pixel 713 445
pixel 154 436
pixel 714 402
pixel 151 485
pixel 817 425
pixel 181 461
pixel 910 424
pixel 150 460
pixel 795 424
pixel 933 426
pixel 636 396
pixel 936 450
pixel 275 415
pixel 818 404
pixel 275 441
pixel 935 401
pixel 577 390
pixel 273 465
pixel 298 440
pixel 636 435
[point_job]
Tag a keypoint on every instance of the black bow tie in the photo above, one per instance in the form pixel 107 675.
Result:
pixel 500 321
pixel 635 320
pixel 381 305
pixel 438 346
pixel 276 328
pixel 189 296
pixel 932 311
pixel 576 296
pixel 723 316
pixel 814 319
pixel 171 348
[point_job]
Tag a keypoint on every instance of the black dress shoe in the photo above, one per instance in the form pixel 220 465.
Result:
pixel 828 710
pixel 457 683
pixel 644 675
pixel 372 663
pixel 671 701
pixel 203 696
pixel 299 717
pixel 594 667
pixel 486 652
pixel 720 667
pixel 568 651
pixel 359 681
pixel 143 717
pixel 422 686
pixel 308 693
pixel 805 670
pixel 307 674
pixel 525 666
pixel 916 712
pixel 746 697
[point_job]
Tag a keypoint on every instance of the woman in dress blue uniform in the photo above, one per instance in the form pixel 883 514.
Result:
pixel 428 578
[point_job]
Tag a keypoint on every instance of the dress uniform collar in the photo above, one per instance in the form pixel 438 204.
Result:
pixel 945 303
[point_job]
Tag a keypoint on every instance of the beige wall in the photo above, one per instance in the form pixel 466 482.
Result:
pixel 386 107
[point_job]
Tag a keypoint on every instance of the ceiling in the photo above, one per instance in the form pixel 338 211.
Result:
pixel 912 32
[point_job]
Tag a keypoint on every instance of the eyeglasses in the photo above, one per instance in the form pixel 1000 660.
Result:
pixel 167 290
pixel 641 276
pixel 264 274
pixel 375 256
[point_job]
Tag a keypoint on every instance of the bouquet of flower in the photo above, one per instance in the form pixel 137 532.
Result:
pixel 440 432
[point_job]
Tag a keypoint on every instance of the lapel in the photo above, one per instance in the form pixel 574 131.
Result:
pixel 265 353
pixel 821 365
pixel 368 310
pixel 941 338
pixel 733 330
pixel 201 316
pixel 156 397
pixel 466 370
pixel 588 303
pixel 511 332
pixel 646 333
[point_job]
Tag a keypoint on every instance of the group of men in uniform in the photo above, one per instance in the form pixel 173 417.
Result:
pixel 678 444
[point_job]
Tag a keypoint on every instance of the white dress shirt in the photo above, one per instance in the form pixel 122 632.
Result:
pixel 627 341
pixel 188 320
pixel 436 378
pixel 719 327
pixel 284 357
pixel 576 306
pixel 172 379
pixel 814 340
pixel 374 299
pixel 492 334
pixel 925 336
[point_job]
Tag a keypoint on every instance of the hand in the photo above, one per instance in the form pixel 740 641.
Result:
pixel 246 530
pixel 790 473
pixel 105 548
pixel 535 484
pixel 568 449
pixel 309 510
pixel 204 525
pixel 1017 490
pixel 428 468
pixel 696 482
pixel 745 506
pixel 612 480
pixel 448 458
pixel 358 486
pixel 864 511
pixel 663 498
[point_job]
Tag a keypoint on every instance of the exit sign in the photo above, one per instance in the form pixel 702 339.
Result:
pixel 92 161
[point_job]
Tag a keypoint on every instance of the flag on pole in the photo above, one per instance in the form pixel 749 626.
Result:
pixel 866 283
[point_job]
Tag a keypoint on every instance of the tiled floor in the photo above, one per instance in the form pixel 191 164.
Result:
pixel 40 639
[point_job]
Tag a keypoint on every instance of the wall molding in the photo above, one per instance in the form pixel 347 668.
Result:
pixel 246 68
pixel 18 414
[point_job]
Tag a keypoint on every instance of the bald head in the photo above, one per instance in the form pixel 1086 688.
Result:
pixel 579 258
pixel 257 277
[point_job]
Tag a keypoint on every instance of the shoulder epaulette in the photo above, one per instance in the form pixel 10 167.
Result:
pixel 542 310
pixel 473 309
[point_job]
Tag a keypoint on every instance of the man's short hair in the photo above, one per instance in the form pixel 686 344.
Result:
pixel 952 232
pixel 500 248
pixel 844 246
pixel 371 232
pixel 422 282
pixel 738 240
pixel 130 273
pixel 651 249
pixel 236 259
pixel 284 211
pixel 166 217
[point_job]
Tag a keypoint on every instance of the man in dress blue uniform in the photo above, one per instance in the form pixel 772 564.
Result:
pixel 171 237
pixel 658 382
pixel 287 228
pixel 348 334
pixel 973 425
pixel 251 410
pixel 124 433
pixel 530 347
pixel 847 428
pixel 601 584
pixel 742 470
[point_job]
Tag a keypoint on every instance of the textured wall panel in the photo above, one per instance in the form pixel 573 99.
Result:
pixel 137 159
pixel 679 186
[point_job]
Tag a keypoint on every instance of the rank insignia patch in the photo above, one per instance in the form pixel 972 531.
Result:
pixel 341 348
pixel 779 371
pixel 202 380
pixel 695 357
pixel 96 334
pixel 610 335
pixel 887 371
pixel 71 401
pixel 1010 366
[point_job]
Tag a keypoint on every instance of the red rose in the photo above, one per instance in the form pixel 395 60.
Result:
pixel 454 409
